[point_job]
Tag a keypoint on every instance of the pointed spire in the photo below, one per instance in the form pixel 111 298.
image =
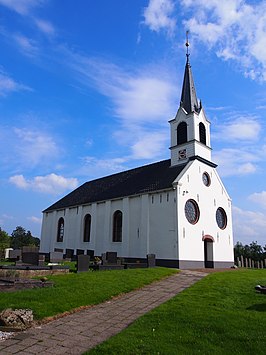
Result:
pixel 189 99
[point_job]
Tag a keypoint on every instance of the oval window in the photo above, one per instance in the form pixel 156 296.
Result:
pixel 206 179
pixel 192 211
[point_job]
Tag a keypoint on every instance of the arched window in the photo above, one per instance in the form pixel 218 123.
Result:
pixel 202 133
pixel 117 226
pixel 87 228
pixel 182 133
pixel 60 229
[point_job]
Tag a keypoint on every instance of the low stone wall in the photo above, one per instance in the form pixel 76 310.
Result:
pixel 27 274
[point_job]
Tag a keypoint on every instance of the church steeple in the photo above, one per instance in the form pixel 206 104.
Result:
pixel 189 100
pixel 190 129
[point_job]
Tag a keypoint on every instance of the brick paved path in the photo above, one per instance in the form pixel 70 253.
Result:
pixel 81 331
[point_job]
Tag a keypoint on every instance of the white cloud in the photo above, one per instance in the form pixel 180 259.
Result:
pixel 149 145
pixel 34 147
pixel 248 226
pixel 50 184
pixel 9 85
pixel 45 26
pixel 241 128
pixel 34 219
pixel 234 28
pixel 26 45
pixel 158 15
pixel 23 7
pixel 235 162
pixel 259 197
pixel 144 95
pixel 94 167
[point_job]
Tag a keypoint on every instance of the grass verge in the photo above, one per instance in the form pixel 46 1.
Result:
pixel 221 314
pixel 75 290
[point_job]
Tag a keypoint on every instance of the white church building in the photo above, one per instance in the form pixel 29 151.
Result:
pixel 177 209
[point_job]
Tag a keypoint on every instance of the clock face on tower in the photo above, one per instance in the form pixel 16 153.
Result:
pixel 182 154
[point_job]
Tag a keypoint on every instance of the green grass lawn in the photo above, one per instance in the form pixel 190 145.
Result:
pixel 221 314
pixel 75 290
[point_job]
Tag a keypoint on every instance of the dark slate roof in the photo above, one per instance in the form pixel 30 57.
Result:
pixel 189 99
pixel 148 178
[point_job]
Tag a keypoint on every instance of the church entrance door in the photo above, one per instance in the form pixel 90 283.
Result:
pixel 208 253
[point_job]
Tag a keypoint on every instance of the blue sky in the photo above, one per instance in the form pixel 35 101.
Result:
pixel 87 89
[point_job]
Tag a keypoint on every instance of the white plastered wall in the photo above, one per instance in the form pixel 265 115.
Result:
pixel 208 198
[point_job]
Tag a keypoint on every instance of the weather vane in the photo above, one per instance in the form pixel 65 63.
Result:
pixel 187 42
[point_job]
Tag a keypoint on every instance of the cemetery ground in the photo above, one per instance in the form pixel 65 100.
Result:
pixel 72 291
pixel 220 314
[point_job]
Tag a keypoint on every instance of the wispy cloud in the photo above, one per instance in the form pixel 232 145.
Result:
pixel 27 148
pixel 45 26
pixel 159 16
pixel 239 128
pixel 9 85
pixel 27 46
pixel 37 220
pixel 146 94
pixel 259 198
pixel 50 184
pixel 94 167
pixel 250 225
pixel 141 99
pixel 22 7
pixel 235 162
pixel 34 146
pixel 234 29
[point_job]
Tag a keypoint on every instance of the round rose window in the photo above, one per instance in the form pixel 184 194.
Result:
pixel 192 211
pixel 221 218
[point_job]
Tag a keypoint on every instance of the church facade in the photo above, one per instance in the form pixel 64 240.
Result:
pixel 177 209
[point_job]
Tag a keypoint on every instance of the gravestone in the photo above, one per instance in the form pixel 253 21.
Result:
pixel 104 260
pixel 151 262
pixel 111 257
pixel 69 253
pixel 83 263
pixel 41 261
pixel 15 255
pixel 30 249
pixel 55 257
pixel 30 257
pixel 90 253
pixel 80 251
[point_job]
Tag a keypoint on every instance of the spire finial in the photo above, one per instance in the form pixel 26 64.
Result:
pixel 187 44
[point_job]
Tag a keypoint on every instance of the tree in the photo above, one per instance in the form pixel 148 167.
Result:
pixel 253 251
pixel 20 238
pixel 4 242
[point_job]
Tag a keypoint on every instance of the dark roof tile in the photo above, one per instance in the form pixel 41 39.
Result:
pixel 147 178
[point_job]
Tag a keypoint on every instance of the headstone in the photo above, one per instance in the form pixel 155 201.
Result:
pixel 7 252
pixel 83 263
pixel 55 257
pixel 15 255
pixel 30 257
pixel 80 251
pixel 151 262
pixel 41 261
pixel 111 257
pixel 69 253
pixel 90 253
pixel 30 249
pixel 104 260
